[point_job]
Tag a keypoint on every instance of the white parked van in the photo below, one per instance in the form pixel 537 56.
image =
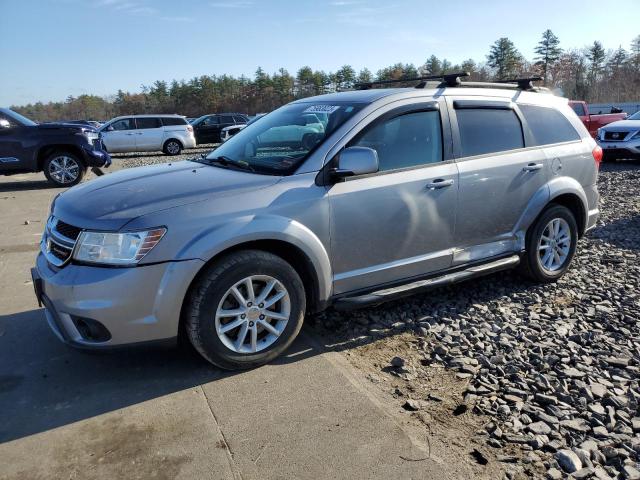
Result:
pixel 147 133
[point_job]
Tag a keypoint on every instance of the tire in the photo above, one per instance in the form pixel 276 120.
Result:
pixel 172 147
pixel 211 297
pixel 64 169
pixel 535 264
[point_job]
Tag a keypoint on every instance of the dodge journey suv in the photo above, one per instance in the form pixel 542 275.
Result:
pixel 393 191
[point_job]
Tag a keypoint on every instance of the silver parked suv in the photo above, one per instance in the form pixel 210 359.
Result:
pixel 342 200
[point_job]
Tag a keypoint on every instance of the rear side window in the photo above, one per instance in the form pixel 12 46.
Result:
pixel 169 121
pixel 485 130
pixel 148 122
pixel 579 109
pixel 226 119
pixel 239 119
pixel 412 139
pixel 548 125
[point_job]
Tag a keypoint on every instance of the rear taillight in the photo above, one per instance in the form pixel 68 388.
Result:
pixel 189 128
pixel 597 155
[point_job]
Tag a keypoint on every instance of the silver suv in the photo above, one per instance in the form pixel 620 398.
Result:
pixel 147 133
pixel 343 200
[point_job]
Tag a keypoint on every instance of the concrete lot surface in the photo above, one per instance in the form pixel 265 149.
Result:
pixel 165 413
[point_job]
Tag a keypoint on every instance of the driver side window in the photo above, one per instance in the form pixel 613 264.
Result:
pixel 408 140
pixel 124 124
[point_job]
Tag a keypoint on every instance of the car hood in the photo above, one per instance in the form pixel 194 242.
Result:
pixel 111 201
pixel 71 127
pixel 623 125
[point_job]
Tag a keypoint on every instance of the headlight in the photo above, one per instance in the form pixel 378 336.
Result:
pixel 116 248
pixel 92 137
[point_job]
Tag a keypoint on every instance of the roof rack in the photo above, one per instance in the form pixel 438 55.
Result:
pixel 524 83
pixel 448 79
pixel 454 80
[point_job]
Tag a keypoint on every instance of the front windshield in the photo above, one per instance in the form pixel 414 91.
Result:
pixel 281 140
pixel 24 121
pixel 635 116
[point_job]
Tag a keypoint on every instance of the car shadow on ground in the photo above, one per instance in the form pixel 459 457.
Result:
pixel 25 185
pixel 44 384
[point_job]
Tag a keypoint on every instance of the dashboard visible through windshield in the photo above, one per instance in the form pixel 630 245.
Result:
pixel 280 141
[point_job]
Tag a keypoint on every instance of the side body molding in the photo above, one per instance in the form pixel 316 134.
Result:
pixel 221 237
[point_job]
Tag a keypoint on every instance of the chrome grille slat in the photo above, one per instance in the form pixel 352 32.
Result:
pixel 58 241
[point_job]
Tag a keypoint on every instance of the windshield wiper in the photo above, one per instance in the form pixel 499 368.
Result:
pixel 226 161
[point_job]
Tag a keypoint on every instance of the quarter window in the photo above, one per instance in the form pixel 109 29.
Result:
pixel 148 122
pixel 167 121
pixel 548 125
pixel 485 130
pixel 409 140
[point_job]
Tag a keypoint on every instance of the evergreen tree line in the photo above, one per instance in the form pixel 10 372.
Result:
pixel 592 74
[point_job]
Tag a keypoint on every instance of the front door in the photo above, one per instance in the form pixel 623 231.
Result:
pixel 208 131
pixel 397 223
pixel 13 155
pixel 120 136
pixel 500 173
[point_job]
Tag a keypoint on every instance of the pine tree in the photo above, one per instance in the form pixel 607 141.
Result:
pixel 432 66
pixel 596 57
pixel 505 58
pixel 548 51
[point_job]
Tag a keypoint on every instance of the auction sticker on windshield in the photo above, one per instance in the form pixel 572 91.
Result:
pixel 329 109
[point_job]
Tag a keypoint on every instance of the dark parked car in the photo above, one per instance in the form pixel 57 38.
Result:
pixel 208 127
pixel 88 123
pixel 63 151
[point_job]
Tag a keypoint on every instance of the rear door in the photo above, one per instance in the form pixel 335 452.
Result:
pixel 120 136
pixel 501 170
pixel 149 134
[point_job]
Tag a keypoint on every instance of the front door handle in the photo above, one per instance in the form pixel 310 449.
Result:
pixel 439 183
pixel 532 167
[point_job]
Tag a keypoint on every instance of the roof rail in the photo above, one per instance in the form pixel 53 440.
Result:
pixel 449 79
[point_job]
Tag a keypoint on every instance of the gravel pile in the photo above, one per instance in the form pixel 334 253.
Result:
pixel 131 160
pixel 555 367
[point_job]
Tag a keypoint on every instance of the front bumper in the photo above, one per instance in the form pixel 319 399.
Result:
pixel 95 157
pixel 135 305
pixel 628 149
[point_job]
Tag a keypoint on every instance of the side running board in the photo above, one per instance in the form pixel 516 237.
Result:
pixel 381 296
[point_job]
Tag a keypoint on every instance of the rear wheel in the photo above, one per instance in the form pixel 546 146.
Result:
pixel 64 169
pixel 550 245
pixel 245 310
pixel 172 147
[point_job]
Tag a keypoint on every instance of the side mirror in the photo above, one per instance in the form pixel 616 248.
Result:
pixel 356 161
pixel 109 128
pixel 4 123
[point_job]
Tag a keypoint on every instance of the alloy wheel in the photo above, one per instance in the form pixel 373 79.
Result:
pixel 252 314
pixel 554 245
pixel 64 169
pixel 173 148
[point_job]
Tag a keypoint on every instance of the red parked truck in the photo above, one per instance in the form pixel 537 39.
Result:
pixel 594 122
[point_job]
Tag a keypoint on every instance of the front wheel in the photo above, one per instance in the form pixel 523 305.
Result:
pixel 245 310
pixel 64 169
pixel 550 245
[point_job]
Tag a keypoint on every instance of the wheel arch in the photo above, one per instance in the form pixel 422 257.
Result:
pixel 46 150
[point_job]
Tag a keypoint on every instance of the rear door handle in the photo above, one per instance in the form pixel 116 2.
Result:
pixel 532 167
pixel 439 183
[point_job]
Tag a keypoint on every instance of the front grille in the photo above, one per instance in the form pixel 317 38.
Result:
pixel 67 230
pixel 615 136
pixel 58 241
pixel 61 252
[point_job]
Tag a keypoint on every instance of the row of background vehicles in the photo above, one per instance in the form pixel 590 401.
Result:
pixel 65 150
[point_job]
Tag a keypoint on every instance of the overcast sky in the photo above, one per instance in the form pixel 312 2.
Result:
pixel 50 49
